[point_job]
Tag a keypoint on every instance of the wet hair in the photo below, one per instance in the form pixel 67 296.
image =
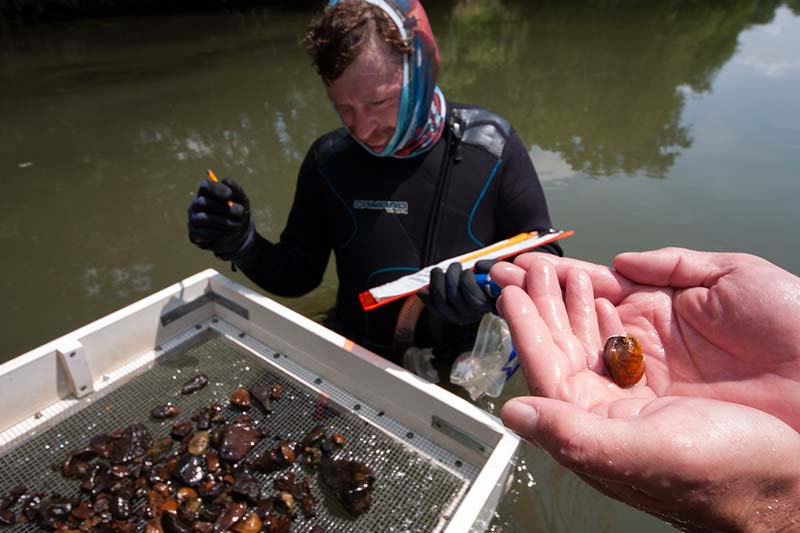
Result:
pixel 336 37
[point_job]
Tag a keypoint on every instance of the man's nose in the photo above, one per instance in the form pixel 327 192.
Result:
pixel 364 124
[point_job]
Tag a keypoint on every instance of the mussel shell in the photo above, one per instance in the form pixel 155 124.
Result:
pixel 624 360
pixel 262 394
pixel 194 384
pixel 237 440
pixel 168 410
pixel 352 483
pixel 240 399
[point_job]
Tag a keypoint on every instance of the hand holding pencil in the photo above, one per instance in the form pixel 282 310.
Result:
pixel 213 177
pixel 219 218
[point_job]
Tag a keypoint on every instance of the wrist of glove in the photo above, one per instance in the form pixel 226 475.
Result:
pixel 219 219
pixel 455 296
pixel 244 247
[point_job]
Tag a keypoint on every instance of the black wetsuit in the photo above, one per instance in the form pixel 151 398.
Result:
pixel 387 217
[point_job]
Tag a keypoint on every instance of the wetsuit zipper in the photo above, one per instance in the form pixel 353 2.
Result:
pixel 452 133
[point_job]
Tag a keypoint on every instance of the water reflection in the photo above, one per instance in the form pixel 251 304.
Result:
pixel 601 83
pixel 550 166
pixel 124 282
pixel 771 50
pixel 106 138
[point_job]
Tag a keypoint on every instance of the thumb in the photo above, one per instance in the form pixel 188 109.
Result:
pixel 673 267
pixel 575 438
pixel 425 296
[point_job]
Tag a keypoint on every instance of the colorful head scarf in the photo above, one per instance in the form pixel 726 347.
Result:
pixel 421 115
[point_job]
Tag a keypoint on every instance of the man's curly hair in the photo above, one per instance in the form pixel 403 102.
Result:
pixel 336 37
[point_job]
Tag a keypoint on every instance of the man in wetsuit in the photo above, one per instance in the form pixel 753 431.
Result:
pixel 409 181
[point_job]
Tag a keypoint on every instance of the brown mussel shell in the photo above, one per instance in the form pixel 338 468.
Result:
pixel 240 399
pixel 194 384
pixel 624 360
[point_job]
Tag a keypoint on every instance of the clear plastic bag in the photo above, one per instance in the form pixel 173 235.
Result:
pixel 420 362
pixel 491 362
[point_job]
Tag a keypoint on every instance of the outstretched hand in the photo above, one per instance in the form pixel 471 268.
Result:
pixel 708 438
pixel 712 325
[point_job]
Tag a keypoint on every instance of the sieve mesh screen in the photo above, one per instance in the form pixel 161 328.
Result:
pixel 413 492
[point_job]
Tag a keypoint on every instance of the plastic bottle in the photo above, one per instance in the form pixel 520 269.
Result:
pixel 491 362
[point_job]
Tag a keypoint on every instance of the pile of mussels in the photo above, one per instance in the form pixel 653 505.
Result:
pixel 205 484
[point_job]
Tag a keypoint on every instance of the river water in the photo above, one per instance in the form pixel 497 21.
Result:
pixel 650 124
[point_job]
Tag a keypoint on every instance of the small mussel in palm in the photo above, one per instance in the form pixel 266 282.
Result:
pixel 624 360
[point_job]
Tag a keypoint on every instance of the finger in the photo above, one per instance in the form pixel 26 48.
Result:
pixel 543 363
pixel 436 287
pixel 208 234
pixel 233 212
pixel 237 192
pixel 607 283
pixel 452 278
pixel 608 319
pixel 471 294
pixel 202 219
pixel 200 241
pixel 210 204
pixel 544 289
pixel 673 267
pixel 484 265
pixel 505 274
pixel 215 189
pixel 425 296
pixel 580 304
pixel 584 442
pixel 438 295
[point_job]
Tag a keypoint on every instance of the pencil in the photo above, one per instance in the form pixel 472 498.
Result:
pixel 213 177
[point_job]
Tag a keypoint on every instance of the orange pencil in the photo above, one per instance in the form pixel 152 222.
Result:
pixel 213 177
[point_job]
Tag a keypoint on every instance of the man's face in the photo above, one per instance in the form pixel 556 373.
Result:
pixel 367 96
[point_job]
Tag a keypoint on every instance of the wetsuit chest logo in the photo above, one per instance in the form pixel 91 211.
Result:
pixel 395 208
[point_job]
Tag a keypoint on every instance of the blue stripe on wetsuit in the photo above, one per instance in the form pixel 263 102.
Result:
pixel 477 202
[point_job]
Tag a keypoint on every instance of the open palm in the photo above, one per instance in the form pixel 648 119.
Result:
pixel 711 325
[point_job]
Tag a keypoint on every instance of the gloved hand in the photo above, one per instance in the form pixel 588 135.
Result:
pixel 455 296
pixel 219 219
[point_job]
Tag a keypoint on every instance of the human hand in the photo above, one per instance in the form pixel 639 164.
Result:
pixel 713 325
pixel 455 296
pixel 219 218
pixel 632 443
pixel 699 464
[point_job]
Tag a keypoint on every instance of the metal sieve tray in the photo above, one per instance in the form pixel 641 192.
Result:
pixel 441 463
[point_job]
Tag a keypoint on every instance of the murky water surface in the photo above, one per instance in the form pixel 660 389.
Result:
pixel 650 123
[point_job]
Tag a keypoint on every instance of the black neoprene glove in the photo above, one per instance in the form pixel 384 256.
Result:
pixel 455 296
pixel 219 219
